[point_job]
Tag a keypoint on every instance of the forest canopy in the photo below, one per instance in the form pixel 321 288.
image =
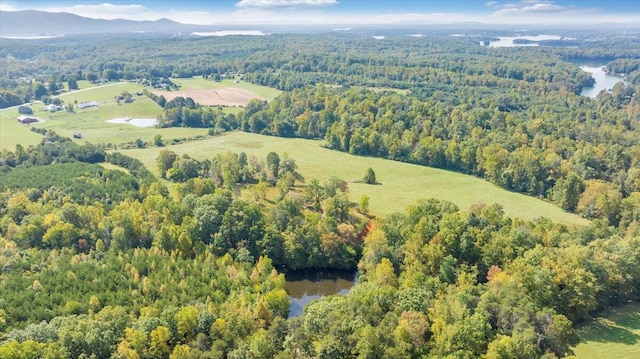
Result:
pixel 112 261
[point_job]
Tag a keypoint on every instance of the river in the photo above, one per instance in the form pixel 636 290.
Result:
pixel 604 80
pixel 305 286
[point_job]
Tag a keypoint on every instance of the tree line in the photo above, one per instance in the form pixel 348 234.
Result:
pixel 579 153
pixel 348 60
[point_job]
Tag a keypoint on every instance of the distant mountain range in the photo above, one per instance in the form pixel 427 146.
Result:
pixel 29 23
pixel 33 23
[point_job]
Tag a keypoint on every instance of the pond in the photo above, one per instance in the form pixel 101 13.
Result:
pixel 138 122
pixel 604 80
pixel 305 286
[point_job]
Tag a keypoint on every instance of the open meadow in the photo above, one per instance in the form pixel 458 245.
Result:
pixel 616 334
pixel 13 133
pixel 90 122
pixel 400 184
pixel 198 83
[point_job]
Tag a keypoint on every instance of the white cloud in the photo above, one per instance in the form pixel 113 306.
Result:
pixel 528 6
pixel 270 4
pixel 547 12
pixel 531 7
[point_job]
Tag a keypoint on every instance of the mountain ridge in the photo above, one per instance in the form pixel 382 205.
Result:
pixel 26 23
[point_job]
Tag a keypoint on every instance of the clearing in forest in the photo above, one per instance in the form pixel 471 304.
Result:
pixel 400 184
pixel 90 121
pixel 215 97
pixel 616 334
pixel 227 92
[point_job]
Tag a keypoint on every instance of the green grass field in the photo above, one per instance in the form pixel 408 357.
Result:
pixel 91 121
pixel 110 166
pixel 400 183
pixel 614 335
pixel 13 133
pixel 84 84
pixel 100 93
pixel 198 83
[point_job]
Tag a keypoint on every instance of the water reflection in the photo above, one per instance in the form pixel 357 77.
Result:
pixel 305 286
pixel 604 80
pixel 508 41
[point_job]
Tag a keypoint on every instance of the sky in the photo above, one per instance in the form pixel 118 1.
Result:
pixel 347 12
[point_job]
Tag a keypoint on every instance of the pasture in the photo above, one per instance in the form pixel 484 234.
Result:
pixel 400 184
pixel 90 122
pixel 13 133
pixel 82 85
pixel 616 334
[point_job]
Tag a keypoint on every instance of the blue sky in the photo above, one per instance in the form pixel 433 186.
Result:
pixel 347 12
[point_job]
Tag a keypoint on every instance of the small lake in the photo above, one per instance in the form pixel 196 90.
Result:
pixel 604 80
pixel 507 41
pixel 305 286
pixel 138 122
pixel 230 33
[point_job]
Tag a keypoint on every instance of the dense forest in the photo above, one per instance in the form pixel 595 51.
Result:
pixel 113 262
pixel 437 64
pixel 563 147
pixel 194 272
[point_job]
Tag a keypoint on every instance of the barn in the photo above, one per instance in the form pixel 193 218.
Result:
pixel 24 110
pixel 25 120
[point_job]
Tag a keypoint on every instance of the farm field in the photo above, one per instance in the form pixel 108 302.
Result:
pixel 90 122
pixel 198 83
pixel 13 133
pixel 401 184
pixel 614 335
pixel 228 93
pixel 84 84
pixel 100 93
pixel 232 97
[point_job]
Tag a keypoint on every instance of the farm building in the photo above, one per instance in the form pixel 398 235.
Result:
pixel 53 108
pixel 27 120
pixel 25 110
pixel 87 104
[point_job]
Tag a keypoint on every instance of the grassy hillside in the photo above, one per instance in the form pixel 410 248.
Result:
pixel 91 121
pixel 614 335
pixel 12 132
pixel 400 184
